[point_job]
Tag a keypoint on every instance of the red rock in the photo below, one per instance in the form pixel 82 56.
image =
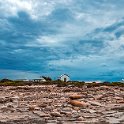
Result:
pixel 78 103
pixel 75 96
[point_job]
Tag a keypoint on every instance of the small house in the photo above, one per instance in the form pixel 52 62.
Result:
pixel 64 78
pixel 22 80
pixel 97 81
pixel 39 80
pixel 122 81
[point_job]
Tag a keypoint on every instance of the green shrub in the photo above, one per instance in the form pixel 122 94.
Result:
pixel 5 80
pixel 77 83
pixel 93 84
pixel 14 83
pixel 62 84
pixel 117 84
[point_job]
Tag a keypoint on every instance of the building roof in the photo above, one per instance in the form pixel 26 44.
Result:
pixel 21 79
pixel 63 75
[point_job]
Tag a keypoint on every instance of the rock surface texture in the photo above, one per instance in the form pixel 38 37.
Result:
pixel 50 104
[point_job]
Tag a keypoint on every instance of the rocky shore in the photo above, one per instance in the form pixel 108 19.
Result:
pixel 49 104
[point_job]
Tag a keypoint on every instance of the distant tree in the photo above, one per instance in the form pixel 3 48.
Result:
pixel 94 82
pixel 58 80
pixel 83 81
pixel 5 80
pixel 47 78
pixel 106 82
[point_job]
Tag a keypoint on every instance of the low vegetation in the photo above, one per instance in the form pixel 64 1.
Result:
pixel 7 82
pixel 59 83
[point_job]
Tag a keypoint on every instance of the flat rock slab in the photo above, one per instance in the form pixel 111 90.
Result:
pixel 95 103
pixel 55 114
pixel 41 114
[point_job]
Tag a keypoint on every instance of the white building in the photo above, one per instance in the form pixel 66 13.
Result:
pixel 39 80
pixel 93 81
pixel 64 78
pixel 23 80
pixel 122 81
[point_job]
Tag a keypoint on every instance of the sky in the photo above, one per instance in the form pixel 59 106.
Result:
pixel 82 38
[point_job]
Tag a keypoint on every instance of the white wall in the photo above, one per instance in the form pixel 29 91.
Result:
pixel 63 77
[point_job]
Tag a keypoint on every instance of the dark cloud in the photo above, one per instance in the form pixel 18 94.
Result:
pixel 63 37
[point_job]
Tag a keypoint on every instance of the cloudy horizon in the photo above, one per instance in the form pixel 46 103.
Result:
pixel 82 38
